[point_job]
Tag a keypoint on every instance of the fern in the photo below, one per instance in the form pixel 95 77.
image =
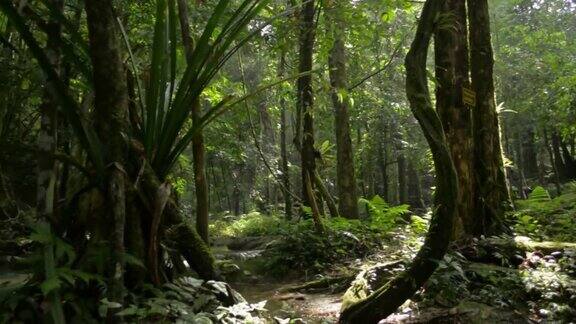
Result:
pixel 382 215
pixel 539 194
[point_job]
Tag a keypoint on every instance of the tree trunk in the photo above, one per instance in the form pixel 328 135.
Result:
pixel 414 187
pixel 198 150
pixel 451 52
pixel 305 99
pixel 283 146
pixel 110 115
pixel 402 173
pixel 388 298
pixel 529 156
pixel 553 163
pixel 493 197
pixel 383 164
pixel 558 160
pixel 345 176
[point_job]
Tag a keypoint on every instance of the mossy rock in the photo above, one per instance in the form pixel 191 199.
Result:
pixel 369 280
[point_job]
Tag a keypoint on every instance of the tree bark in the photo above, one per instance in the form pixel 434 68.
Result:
pixel 283 146
pixel 451 53
pixel 110 115
pixel 388 298
pixel 345 176
pixel 305 98
pixel 492 194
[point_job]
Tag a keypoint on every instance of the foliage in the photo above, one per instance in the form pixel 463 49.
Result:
pixel 547 219
pixel 23 300
pixel 539 194
pixel 189 300
pixel 382 215
pixel 252 224
pixel 301 248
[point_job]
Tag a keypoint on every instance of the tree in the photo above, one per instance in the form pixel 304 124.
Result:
pixel 451 57
pixel 389 297
pixel 345 178
pixel 305 100
pixel 492 197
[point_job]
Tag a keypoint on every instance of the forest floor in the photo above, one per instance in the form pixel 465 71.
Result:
pixel 526 278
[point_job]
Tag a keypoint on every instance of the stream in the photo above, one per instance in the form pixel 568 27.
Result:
pixel 314 308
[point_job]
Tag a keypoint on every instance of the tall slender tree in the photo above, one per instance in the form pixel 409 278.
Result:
pixel 304 139
pixel 345 176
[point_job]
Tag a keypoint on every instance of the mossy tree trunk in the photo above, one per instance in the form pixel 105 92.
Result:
pixel 388 298
pixel 492 194
pixel 305 99
pixel 451 55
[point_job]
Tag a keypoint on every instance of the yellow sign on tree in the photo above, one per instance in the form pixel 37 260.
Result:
pixel 468 97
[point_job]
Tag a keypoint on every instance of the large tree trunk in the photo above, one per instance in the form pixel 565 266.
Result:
pixel 345 178
pixel 110 115
pixel 198 150
pixel 388 298
pixel 492 194
pixel 451 53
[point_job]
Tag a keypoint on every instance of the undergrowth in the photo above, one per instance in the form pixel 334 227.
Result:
pixel 544 218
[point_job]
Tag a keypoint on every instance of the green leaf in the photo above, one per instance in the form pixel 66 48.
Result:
pixel 49 285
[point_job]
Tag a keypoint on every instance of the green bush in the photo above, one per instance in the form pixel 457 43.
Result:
pixel 252 224
pixel 301 247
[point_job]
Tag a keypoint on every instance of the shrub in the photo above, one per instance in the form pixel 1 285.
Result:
pixel 251 224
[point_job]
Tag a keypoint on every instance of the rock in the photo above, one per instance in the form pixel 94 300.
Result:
pixel 516 259
pixel 557 254
pixel 543 312
pixel 228 268
pixel 369 280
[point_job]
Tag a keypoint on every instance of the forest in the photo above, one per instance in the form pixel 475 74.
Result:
pixel 287 161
